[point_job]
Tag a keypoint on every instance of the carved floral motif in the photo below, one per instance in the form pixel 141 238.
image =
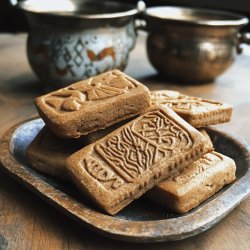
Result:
pixel 198 167
pixel 142 145
pixel 175 100
pixel 96 88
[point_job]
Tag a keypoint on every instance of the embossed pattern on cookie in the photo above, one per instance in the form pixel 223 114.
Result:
pixel 186 189
pixel 47 153
pixel 196 111
pixel 100 87
pixel 126 163
pixel 93 104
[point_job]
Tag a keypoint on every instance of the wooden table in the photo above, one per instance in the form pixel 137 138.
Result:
pixel 27 222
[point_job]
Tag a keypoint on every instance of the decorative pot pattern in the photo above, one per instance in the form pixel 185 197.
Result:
pixel 63 58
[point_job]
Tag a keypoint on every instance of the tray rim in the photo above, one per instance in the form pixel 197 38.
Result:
pixel 118 228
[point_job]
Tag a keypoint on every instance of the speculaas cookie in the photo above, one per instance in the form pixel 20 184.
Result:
pixel 196 111
pixel 205 134
pixel 92 104
pixel 126 163
pixel 181 192
pixel 47 153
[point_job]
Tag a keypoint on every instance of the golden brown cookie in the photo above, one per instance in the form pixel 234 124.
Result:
pixel 196 111
pixel 196 183
pixel 129 161
pixel 205 134
pixel 92 104
pixel 47 153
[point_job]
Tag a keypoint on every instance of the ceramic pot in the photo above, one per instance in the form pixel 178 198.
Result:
pixel 74 40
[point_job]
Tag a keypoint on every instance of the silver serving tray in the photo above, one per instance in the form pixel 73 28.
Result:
pixel 141 221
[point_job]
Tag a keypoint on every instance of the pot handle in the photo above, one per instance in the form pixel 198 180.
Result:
pixel 13 2
pixel 243 38
pixel 141 6
pixel 140 22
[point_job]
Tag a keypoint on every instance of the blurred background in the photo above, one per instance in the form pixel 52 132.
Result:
pixel 13 20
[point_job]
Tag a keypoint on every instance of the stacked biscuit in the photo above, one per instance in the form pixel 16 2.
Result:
pixel 116 141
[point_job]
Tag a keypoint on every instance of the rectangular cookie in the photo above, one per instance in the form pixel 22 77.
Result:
pixel 47 153
pixel 92 104
pixel 196 111
pixel 123 165
pixel 205 134
pixel 196 183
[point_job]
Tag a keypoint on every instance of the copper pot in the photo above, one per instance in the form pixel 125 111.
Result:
pixel 193 45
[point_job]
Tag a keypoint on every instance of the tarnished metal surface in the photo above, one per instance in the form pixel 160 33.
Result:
pixel 141 221
pixel 190 44
pixel 75 40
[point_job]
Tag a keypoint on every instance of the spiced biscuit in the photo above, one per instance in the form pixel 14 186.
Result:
pixel 123 165
pixel 205 134
pixel 196 183
pixel 47 153
pixel 196 111
pixel 92 104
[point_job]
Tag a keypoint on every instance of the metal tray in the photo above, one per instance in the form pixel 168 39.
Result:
pixel 141 221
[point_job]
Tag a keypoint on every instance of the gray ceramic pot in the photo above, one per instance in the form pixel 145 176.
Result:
pixel 70 40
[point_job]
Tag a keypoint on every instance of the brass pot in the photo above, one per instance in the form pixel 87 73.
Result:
pixel 192 45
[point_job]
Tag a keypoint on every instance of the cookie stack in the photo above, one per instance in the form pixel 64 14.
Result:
pixel 116 141
pixel 184 190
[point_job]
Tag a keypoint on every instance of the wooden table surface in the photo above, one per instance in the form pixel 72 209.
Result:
pixel 27 222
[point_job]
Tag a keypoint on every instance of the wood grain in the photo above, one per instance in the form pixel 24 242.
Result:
pixel 27 222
